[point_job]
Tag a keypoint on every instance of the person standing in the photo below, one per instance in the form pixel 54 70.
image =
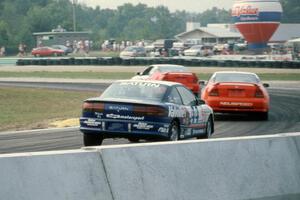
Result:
pixel 21 50
pixel 2 51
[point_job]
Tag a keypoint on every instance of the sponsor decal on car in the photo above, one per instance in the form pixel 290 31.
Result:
pixel 163 129
pixel 144 84
pixel 99 115
pixel 241 104
pixel 177 111
pixel 198 131
pixel 92 122
pixel 117 116
pixel 188 131
pixel 143 126
pixel 195 114
pixel 118 107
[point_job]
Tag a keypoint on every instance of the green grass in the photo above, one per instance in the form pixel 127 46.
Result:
pixel 23 108
pixel 125 75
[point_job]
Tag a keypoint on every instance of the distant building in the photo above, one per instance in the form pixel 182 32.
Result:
pixel 210 34
pixel 60 36
pixel 224 33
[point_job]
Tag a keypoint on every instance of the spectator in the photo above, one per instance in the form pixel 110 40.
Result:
pixel 75 49
pixel 87 46
pixel 21 50
pixel 122 46
pixel 2 51
pixel 40 44
pixel 91 45
pixel 114 46
pixel 25 49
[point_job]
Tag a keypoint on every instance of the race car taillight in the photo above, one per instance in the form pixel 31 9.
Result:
pixel 150 110
pixel 259 93
pixel 92 106
pixel 213 92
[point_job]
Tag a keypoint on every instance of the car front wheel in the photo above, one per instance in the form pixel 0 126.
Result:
pixel 92 140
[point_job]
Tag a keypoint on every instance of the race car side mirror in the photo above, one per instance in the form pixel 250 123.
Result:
pixel 266 85
pixel 200 101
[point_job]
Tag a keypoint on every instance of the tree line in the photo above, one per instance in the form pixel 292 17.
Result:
pixel 20 18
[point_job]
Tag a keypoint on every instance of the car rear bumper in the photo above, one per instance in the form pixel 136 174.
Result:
pixel 124 129
pixel 238 105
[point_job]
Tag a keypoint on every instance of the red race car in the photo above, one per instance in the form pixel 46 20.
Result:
pixel 237 92
pixel 47 51
pixel 174 73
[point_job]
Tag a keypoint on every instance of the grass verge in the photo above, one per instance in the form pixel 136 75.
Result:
pixel 26 108
pixel 126 75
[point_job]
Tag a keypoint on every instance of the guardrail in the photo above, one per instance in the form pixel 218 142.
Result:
pixel 148 61
pixel 8 61
pixel 257 168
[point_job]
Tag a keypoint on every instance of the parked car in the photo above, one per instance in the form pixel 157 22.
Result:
pixel 64 48
pixel 168 72
pixel 237 92
pixel 199 50
pixel 152 110
pixel 133 51
pixel 47 51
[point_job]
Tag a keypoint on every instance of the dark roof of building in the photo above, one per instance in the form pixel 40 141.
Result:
pixel 284 32
pixel 215 32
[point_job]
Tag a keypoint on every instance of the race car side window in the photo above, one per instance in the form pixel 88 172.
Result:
pixel 187 96
pixel 146 71
pixel 174 97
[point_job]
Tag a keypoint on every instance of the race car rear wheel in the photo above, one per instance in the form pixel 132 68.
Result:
pixel 92 140
pixel 173 131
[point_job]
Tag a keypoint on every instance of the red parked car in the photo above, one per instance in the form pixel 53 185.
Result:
pixel 174 73
pixel 47 51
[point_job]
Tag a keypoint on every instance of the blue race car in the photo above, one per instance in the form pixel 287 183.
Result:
pixel 139 109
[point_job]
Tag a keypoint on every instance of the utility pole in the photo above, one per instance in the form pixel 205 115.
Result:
pixel 74 2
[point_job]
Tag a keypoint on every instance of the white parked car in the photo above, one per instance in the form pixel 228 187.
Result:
pixel 199 50
pixel 133 51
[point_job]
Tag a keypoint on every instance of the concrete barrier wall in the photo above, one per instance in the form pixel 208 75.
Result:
pixel 217 169
pixel 74 175
pixel 261 168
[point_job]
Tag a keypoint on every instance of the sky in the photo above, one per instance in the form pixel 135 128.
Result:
pixel 173 5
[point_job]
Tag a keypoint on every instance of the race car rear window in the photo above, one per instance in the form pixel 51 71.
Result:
pixel 172 69
pixel 136 90
pixel 235 77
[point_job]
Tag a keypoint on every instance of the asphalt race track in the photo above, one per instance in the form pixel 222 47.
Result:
pixel 284 117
